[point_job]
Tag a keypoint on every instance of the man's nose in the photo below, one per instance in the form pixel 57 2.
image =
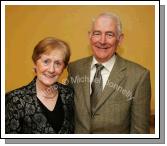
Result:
pixel 103 39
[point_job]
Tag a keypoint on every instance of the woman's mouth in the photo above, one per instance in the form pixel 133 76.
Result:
pixel 49 76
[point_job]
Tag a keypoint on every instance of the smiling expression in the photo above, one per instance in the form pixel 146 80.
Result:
pixel 104 38
pixel 49 67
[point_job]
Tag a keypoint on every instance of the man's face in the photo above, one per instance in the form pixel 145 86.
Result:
pixel 104 39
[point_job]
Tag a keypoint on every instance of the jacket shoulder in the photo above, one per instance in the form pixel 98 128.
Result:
pixel 20 92
pixel 15 96
pixel 66 89
pixel 16 92
pixel 133 66
pixel 80 61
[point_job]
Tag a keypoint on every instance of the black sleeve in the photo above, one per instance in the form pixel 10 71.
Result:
pixel 13 113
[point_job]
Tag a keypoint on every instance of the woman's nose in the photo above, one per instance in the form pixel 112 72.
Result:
pixel 51 68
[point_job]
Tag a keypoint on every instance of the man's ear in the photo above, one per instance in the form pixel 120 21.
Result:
pixel 121 37
pixel 89 34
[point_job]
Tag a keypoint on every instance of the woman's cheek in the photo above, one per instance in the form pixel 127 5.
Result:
pixel 59 70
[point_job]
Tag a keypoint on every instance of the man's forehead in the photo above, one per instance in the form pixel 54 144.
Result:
pixel 104 24
pixel 105 19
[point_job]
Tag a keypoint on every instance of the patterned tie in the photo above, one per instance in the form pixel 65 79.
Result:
pixel 97 85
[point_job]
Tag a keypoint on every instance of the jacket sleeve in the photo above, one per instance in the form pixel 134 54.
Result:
pixel 69 78
pixel 13 114
pixel 71 111
pixel 140 111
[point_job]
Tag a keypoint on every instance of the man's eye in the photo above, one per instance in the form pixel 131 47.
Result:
pixel 96 33
pixel 110 34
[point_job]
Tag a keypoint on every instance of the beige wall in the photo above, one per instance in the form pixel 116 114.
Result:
pixel 26 25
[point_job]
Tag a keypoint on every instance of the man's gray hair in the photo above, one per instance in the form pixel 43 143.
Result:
pixel 112 16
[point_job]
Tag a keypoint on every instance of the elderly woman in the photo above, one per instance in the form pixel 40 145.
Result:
pixel 44 105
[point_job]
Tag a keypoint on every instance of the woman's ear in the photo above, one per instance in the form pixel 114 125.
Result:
pixel 34 69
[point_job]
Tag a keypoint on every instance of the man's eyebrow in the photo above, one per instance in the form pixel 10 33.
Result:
pixel 105 32
pixel 96 31
pixel 110 32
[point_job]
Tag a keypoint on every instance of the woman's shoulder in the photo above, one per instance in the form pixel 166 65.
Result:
pixel 16 92
pixel 66 93
pixel 19 92
pixel 64 88
pixel 15 96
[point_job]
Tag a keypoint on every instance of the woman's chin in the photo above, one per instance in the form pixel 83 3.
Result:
pixel 48 83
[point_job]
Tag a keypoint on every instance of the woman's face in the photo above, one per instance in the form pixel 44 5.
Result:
pixel 49 67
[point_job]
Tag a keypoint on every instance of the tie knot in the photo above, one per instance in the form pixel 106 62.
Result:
pixel 99 66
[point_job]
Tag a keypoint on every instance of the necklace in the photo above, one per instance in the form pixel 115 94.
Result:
pixel 47 93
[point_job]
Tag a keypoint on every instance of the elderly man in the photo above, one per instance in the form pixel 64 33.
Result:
pixel 112 95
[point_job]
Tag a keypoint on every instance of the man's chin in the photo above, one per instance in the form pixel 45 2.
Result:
pixel 101 52
pixel 101 59
pixel 101 55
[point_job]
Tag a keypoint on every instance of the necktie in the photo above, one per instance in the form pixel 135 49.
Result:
pixel 97 85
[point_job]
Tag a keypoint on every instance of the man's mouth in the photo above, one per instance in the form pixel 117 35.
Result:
pixel 100 46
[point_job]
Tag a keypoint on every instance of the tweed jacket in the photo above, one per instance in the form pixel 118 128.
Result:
pixel 124 106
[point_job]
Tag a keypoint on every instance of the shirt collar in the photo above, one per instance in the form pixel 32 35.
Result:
pixel 107 65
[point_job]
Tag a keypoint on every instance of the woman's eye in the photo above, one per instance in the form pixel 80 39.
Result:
pixel 58 63
pixel 46 62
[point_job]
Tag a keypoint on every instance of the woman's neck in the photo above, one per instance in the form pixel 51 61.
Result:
pixel 45 91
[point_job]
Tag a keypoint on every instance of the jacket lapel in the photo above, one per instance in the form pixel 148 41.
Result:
pixel 116 76
pixel 85 72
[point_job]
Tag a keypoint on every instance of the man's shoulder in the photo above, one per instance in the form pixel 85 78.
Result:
pixel 80 62
pixel 132 65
